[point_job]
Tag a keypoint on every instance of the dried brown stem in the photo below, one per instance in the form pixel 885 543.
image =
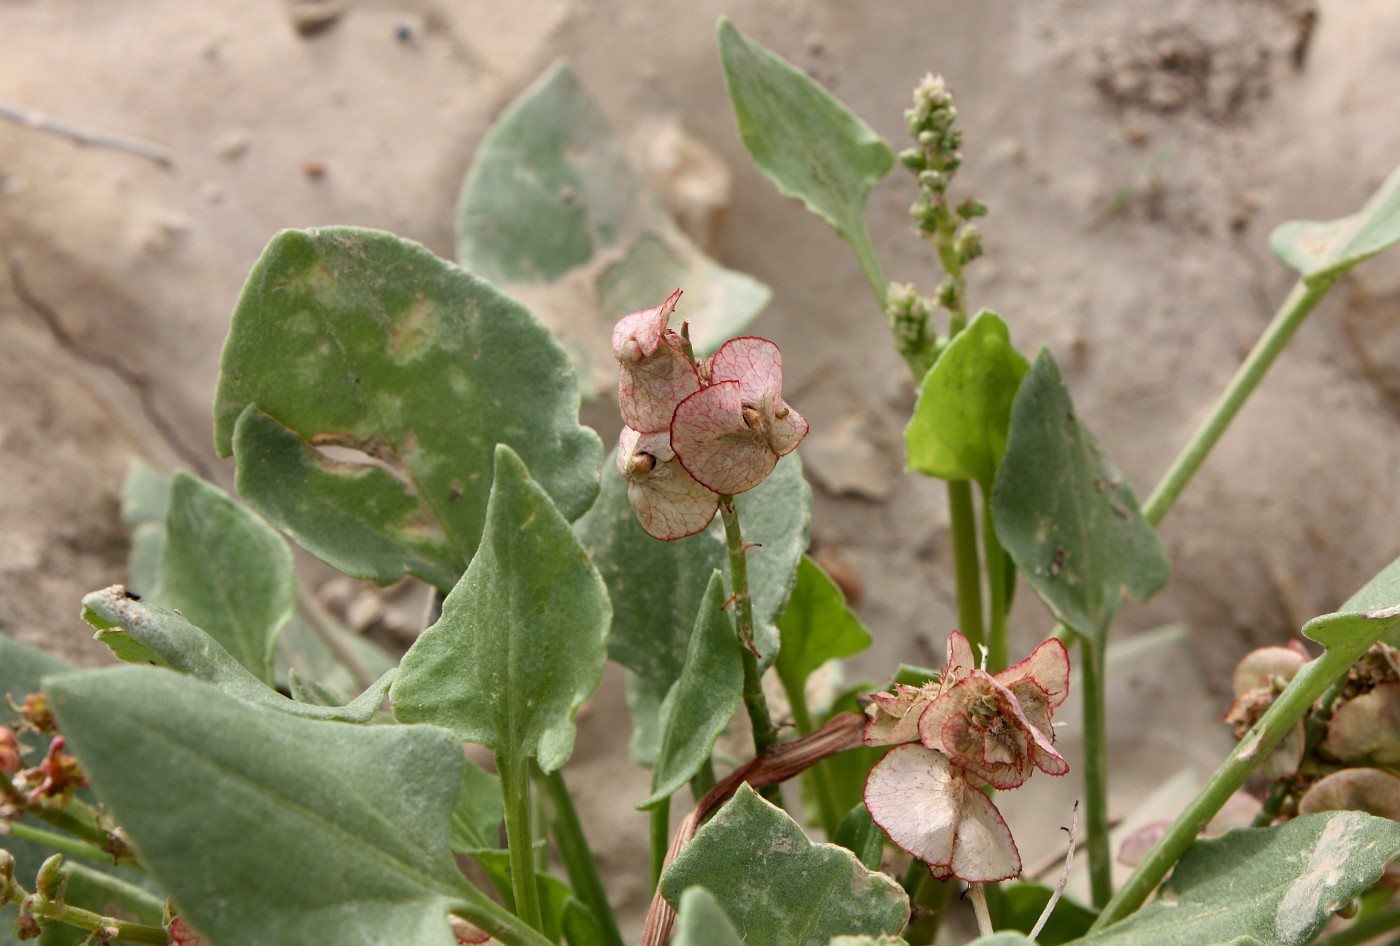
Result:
pixel 782 763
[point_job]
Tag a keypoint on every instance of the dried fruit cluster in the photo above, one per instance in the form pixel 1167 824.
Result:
pixel 696 431
pixel 956 734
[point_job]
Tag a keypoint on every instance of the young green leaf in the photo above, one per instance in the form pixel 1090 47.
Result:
pixel 1324 251
pixel 1275 885
pixel 779 888
pixel 226 570
pixel 1065 514
pixel 553 212
pixel 359 340
pixel 959 427
pixel 266 828
pixel 655 586
pixel 776 516
pixel 520 644
pixel 703 700
pixel 816 626
pixel 138 632
pixel 801 137
pixel 701 921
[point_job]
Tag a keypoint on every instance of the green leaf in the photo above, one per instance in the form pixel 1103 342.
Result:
pixel 701 921
pixel 1003 939
pixel 1020 907
pixel 859 834
pixel 316 670
pixel 704 699
pixel 479 812
pixel 656 586
pixel 1324 251
pixel 959 427
pixel 226 570
pixel 816 626
pixel 144 493
pixel 520 644
pixel 779 888
pixel 139 632
pixel 1379 593
pixel 1066 515
pixel 266 828
pixel 361 341
pixel 1275 885
pixel 554 213
pixel 800 136
pixel 777 515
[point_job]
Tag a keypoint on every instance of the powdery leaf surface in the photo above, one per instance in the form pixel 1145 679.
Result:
pixel 668 501
pixel 929 809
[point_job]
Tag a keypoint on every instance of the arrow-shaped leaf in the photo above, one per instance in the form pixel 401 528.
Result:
pixel 521 641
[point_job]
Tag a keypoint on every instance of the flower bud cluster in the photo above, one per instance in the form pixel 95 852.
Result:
pixel 696 432
pixel 953 736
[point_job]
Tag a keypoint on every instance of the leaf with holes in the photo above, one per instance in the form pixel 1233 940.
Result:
pixel 1065 513
pixel 1324 251
pixel 355 340
pixel 777 887
pixel 553 211
pixel 521 641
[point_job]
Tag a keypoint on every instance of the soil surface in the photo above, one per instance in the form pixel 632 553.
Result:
pixel 1135 156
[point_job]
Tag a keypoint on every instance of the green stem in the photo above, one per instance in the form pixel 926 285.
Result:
pixel 1313 732
pixel 1363 931
pixel 56 911
pixel 1096 770
pixel 660 841
pixel 1305 689
pixel 816 776
pixel 962 526
pixel 1291 314
pixel 66 845
pixel 488 915
pixel 997 592
pixel 579 862
pixel 515 793
pixel 755 702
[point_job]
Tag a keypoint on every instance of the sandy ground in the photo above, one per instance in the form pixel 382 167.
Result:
pixel 1135 156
